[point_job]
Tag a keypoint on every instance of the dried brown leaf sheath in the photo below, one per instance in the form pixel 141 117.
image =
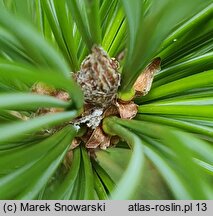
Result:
pixel 144 82
pixel 44 89
pixel 98 139
pixel 127 110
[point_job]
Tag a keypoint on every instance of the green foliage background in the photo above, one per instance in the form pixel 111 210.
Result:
pixel 166 152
